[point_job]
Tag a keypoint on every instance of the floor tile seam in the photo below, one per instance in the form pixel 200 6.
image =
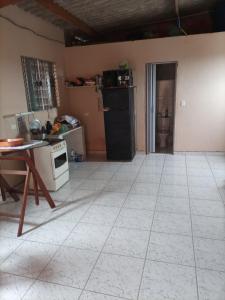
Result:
pixel 104 294
pixel 188 235
pixel 148 243
pixel 192 235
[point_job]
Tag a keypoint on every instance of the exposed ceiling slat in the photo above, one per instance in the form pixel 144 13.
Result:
pixel 4 3
pixel 66 16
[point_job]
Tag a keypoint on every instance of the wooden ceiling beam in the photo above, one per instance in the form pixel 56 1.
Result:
pixel 68 17
pixel 4 3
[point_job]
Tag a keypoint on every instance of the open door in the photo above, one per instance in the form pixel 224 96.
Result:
pixel 160 106
pixel 150 107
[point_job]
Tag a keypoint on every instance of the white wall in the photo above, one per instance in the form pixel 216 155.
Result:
pixel 16 42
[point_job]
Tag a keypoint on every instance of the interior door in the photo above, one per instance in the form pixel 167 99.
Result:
pixel 150 107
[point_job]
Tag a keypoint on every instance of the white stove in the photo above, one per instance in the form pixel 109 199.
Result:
pixel 52 164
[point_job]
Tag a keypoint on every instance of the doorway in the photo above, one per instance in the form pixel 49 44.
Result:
pixel 160 107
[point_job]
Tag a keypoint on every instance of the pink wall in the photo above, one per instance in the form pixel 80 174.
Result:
pixel 200 125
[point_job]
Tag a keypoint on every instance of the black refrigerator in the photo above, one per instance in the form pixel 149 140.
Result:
pixel 119 120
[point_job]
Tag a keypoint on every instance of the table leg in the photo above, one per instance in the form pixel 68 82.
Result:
pixel 6 187
pixel 24 203
pixel 2 190
pixel 39 181
pixel 36 196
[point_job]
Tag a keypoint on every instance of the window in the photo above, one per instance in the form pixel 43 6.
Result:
pixel 40 83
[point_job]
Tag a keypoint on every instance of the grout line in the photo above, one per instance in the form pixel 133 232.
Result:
pixel 111 228
pixel 196 276
pixel 147 248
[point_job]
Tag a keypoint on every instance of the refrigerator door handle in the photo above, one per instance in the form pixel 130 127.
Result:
pixel 106 109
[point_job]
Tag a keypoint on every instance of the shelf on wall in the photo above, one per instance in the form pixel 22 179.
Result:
pixel 80 86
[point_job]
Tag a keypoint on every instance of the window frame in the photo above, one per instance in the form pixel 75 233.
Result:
pixel 41 85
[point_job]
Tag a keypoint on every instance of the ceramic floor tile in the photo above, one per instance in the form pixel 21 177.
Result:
pixel 63 193
pixel 117 276
pixel 101 215
pixel 124 176
pixel 200 181
pixel 9 228
pixel 92 184
pixel 218 173
pixel 163 281
pixel 174 180
pixel 204 193
pixel 13 287
pixel 148 178
pixel 174 171
pixel 53 231
pixel 29 259
pixel 175 164
pixel 175 157
pixel 80 174
pixel 96 296
pixel 101 175
pixel 199 172
pixel 171 248
pixel 129 168
pixel 220 182
pixel 133 218
pixel 195 156
pixel 155 156
pixel 83 196
pixel 145 188
pixel 70 211
pixel 211 285
pixel 88 236
pixel 173 191
pixel 89 205
pixel 118 186
pixel 49 291
pixel 8 245
pixel 109 167
pixel 172 223
pixel 111 199
pixel 150 170
pixel 70 267
pixel 210 254
pixel 173 205
pixel 208 227
pixel 207 208
pixel 38 214
pixel 198 165
pixel 140 201
pixel 129 242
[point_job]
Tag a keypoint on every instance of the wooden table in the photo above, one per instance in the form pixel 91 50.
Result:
pixel 25 154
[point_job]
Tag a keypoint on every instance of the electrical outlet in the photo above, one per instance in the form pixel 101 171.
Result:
pixel 182 103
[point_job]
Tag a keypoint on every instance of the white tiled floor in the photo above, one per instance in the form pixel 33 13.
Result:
pixel 151 229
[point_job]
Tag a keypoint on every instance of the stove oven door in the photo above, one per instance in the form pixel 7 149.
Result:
pixel 59 162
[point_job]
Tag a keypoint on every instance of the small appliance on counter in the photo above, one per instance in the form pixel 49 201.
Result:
pixel 117 78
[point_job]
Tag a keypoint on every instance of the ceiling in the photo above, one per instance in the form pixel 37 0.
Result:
pixel 119 19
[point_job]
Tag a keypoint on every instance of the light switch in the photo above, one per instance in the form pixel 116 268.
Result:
pixel 182 103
